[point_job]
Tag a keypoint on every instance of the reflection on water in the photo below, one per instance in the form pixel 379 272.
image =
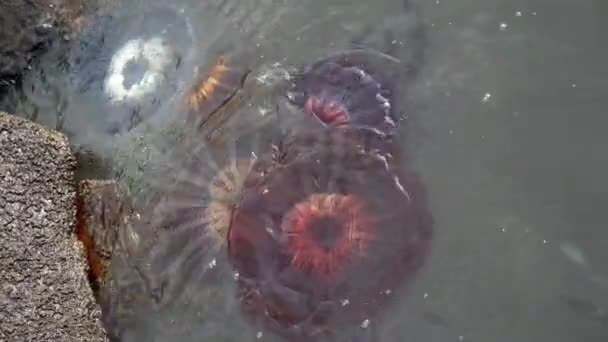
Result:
pixel 505 126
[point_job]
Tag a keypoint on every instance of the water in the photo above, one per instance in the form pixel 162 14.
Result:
pixel 511 146
pixel 506 127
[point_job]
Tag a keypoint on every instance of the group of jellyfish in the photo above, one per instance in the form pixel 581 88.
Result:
pixel 326 227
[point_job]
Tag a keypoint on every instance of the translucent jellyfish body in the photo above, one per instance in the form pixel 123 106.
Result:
pixel 320 238
pixel 354 87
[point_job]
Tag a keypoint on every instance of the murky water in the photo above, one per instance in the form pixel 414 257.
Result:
pixel 506 127
pixel 511 145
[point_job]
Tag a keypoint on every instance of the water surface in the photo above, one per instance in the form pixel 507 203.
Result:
pixel 506 125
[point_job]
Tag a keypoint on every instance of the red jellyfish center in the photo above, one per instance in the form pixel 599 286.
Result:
pixel 326 224
pixel 326 232
pixel 329 112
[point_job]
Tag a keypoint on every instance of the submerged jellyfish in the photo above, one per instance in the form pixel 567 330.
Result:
pixel 349 88
pixel 321 237
pixel 220 82
pixel 185 218
pixel 129 63
pixel 154 53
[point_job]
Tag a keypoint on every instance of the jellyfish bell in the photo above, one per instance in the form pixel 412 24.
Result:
pixel 154 55
pixel 332 225
pixel 218 83
pixel 130 62
pixel 355 87
pixel 180 260
pixel 203 182
pixel 214 94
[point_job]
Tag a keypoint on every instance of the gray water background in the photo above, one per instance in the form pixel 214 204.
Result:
pixel 507 129
pixel 512 145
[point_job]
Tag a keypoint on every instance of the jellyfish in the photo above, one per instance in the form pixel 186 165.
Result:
pixel 354 87
pixel 320 238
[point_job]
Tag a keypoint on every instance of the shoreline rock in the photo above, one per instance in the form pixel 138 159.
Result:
pixel 44 291
pixel 102 211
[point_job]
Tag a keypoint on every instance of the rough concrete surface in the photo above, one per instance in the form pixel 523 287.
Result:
pixel 44 293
